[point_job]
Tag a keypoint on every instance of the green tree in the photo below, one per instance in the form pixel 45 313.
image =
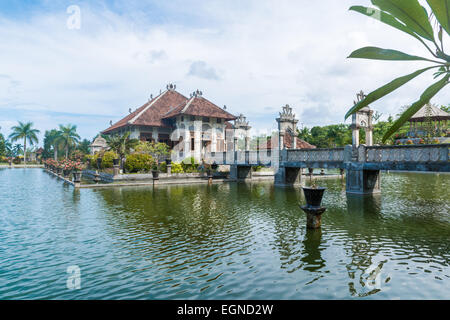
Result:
pixel 68 137
pixel 410 17
pixel 84 146
pixel 446 108
pixel 121 144
pixel 52 140
pixel 26 132
pixel 17 150
pixel 2 146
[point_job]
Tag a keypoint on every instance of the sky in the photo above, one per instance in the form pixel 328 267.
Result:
pixel 86 63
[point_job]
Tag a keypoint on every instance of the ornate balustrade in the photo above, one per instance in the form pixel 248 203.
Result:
pixel 407 154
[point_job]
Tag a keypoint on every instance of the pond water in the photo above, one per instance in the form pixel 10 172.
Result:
pixel 225 241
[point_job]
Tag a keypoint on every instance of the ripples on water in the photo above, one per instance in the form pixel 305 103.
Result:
pixel 226 241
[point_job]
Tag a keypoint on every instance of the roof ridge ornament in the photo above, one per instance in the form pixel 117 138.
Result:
pixel 171 87
pixel 197 93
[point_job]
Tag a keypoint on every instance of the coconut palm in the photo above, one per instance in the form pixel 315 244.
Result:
pixel 121 144
pixel 53 139
pixel 68 137
pixel 411 18
pixel 26 132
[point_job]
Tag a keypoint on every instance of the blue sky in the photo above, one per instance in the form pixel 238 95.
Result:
pixel 253 56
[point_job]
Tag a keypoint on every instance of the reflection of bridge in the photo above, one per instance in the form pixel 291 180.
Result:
pixel 362 163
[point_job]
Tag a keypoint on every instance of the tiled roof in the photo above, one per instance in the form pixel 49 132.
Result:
pixel 301 144
pixel 199 106
pixel 152 112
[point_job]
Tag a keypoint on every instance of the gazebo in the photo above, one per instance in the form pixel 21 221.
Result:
pixel 429 112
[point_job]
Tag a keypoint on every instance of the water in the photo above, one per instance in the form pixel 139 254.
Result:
pixel 226 241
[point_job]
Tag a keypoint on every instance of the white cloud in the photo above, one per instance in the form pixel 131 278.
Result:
pixel 254 57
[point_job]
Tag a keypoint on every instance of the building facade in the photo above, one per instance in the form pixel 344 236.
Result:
pixel 190 126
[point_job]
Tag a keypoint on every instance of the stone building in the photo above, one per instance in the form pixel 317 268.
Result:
pixel 190 126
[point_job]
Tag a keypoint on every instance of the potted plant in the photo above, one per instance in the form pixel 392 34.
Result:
pixel 168 161
pixel 313 195
pixel 116 162
pixel 99 163
pixel 214 166
pixel 77 171
pixel 155 171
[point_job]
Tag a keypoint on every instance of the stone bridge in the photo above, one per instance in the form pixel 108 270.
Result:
pixel 362 163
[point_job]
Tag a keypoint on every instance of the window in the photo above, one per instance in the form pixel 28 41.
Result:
pixel 219 120
pixel 182 118
pixel 205 119
pixel 192 144
pixel 192 118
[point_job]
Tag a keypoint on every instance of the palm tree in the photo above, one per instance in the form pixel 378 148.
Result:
pixel 17 150
pixel 9 148
pixel 53 139
pixel 26 132
pixel 68 137
pixel 121 144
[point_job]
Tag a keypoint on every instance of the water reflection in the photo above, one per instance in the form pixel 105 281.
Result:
pixel 312 257
pixel 224 241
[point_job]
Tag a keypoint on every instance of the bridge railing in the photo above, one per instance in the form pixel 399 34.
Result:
pixel 253 157
pixel 406 154
pixel 314 155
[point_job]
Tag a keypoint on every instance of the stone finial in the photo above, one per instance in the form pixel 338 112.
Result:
pixel 224 107
pixel 287 114
pixel 129 110
pixel 241 121
pixel 360 96
pixel 171 87
pixel 110 122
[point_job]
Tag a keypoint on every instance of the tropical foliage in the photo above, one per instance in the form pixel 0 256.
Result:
pixel 121 144
pixel 25 132
pixel 411 18
pixel 68 137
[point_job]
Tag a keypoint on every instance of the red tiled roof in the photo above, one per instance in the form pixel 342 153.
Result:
pixel 199 106
pixel 301 144
pixel 152 112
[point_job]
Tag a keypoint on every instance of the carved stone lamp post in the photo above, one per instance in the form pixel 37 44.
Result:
pixel 313 208
pixel 97 175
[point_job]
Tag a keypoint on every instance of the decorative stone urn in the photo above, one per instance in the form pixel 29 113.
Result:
pixel 116 162
pixel 66 173
pixel 59 171
pixel 77 176
pixel 313 207
pixel 168 161
pixel 155 174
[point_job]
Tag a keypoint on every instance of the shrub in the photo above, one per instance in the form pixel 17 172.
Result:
pixel 163 167
pixel 435 141
pixel 189 165
pixel 107 159
pixel 17 160
pixel 77 155
pixel 177 168
pixel 409 142
pixel 138 162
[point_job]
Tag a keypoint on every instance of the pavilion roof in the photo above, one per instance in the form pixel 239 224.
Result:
pixel 152 112
pixel 435 113
pixel 197 105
